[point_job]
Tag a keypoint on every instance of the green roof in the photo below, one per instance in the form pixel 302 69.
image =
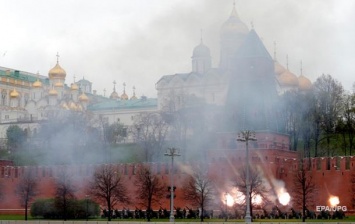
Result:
pixel 20 75
pixel 110 104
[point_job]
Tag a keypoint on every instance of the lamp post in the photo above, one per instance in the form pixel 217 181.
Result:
pixel 172 152
pixel 87 207
pixel 225 203
pixel 246 136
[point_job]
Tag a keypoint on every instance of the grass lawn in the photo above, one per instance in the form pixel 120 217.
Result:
pixel 347 219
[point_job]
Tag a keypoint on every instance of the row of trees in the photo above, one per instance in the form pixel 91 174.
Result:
pixel 322 119
pixel 27 189
pixel 108 188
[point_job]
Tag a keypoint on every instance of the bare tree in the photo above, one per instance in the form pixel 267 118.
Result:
pixel 150 188
pixel 199 190
pixel 26 189
pixel 150 130
pixel 346 123
pixel 328 93
pixel 64 194
pixel 257 186
pixel 304 187
pixel 108 188
pixel 115 133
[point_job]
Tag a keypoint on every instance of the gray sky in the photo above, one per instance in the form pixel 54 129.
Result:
pixel 138 41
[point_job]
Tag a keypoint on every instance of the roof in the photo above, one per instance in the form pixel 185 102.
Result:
pixel 110 104
pixel 83 81
pixel 183 76
pixel 253 47
pixel 21 75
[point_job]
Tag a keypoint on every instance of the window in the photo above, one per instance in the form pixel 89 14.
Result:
pixel 3 97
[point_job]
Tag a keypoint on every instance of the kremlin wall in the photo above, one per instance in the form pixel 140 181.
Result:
pixel 269 155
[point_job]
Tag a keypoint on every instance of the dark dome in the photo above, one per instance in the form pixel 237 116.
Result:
pixel 201 51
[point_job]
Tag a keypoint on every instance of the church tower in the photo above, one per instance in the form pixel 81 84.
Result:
pixel 201 59
pixel 252 96
pixel 233 33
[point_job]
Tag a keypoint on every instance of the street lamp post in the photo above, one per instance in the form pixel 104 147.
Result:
pixel 226 201
pixel 246 136
pixel 87 207
pixel 172 152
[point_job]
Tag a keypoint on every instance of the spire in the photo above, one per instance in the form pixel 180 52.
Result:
pixel 114 86
pixel 74 78
pixel 234 11
pixel 201 36
pixel 287 61
pixel 134 93
pixel 124 88
pixel 104 92
pixel 57 57
pixel 301 68
pixel 252 25
pixel 275 51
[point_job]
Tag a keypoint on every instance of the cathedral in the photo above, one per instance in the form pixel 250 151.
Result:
pixel 246 83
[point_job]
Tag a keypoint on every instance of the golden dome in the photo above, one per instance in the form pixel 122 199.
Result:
pixel 133 97
pixel 124 96
pixel 65 106
pixel 114 95
pixel 14 93
pixel 72 106
pixel 37 84
pixel 234 25
pixel 279 69
pixel 288 79
pixel 83 97
pixel 57 72
pixel 304 83
pixel 58 84
pixel 74 86
pixel 53 92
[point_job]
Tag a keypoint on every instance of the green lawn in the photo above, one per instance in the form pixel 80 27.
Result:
pixel 347 219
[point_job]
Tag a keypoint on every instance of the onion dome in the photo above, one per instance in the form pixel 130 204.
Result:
pixel 124 96
pixel 14 94
pixel 201 51
pixel 58 84
pixel 74 86
pixel 304 83
pixel 134 94
pixel 83 97
pixel 53 92
pixel 234 25
pixel 65 106
pixel 114 95
pixel 279 69
pixel 72 106
pixel 37 84
pixel 57 72
pixel 288 79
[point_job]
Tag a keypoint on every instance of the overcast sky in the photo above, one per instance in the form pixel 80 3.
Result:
pixel 138 41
